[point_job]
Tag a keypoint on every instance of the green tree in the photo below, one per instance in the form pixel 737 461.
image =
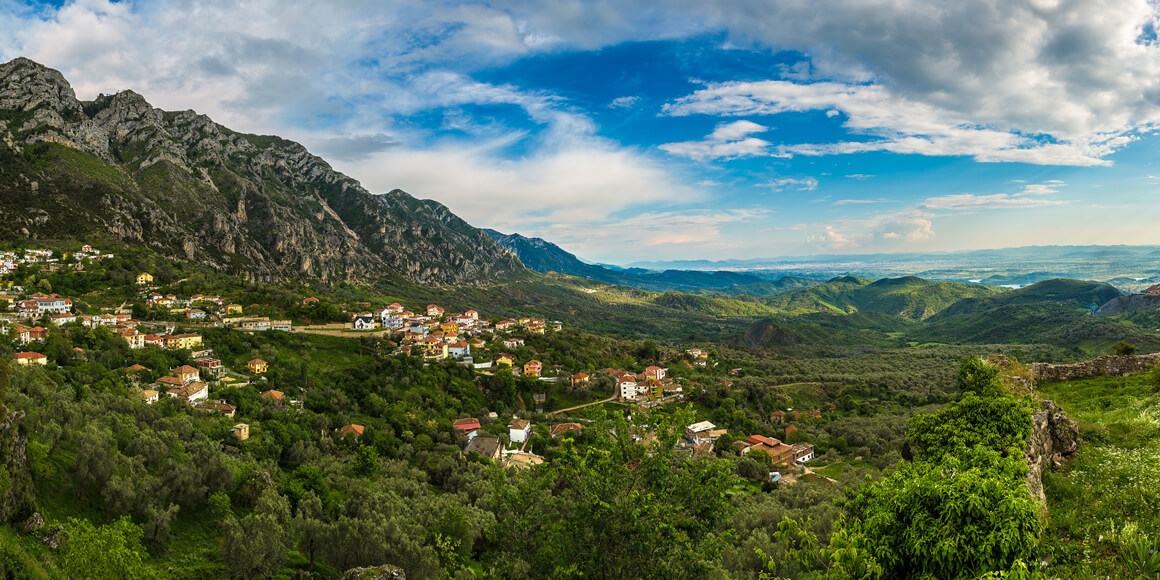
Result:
pixel 311 525
pixel 957 517
pixel 1124 349
pixel 980 376
pixel 602 511
pixel 256 545
pixel 366 461
pixel 111 551
pixel 997 423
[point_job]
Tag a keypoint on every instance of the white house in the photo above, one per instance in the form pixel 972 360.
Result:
pixel 458 350
pixel 628 387
pixel 519 430
pixel 391 320
pixel 364 323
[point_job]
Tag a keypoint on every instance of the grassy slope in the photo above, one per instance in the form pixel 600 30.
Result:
pixel 1113 484
pixel 1074 293
pixel 908 297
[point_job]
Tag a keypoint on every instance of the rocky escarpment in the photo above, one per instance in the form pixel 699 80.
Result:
pixel 1116 366
pixel 1054 440
pixel 1146 301
pixel 257 206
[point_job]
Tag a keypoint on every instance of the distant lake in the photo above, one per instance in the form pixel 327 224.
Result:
pixel 1014 286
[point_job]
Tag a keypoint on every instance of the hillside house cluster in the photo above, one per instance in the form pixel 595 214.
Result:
pixel 136 339
pixel 256 324
pixel 10 260
pixel 184 382
pixel 650 385
pixel 434 335
pixel 702 436
pixel 699 357
pixel 41 305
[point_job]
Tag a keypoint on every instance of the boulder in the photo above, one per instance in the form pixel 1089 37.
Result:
pixel 384 572
pixel 55 538
pixel 35 522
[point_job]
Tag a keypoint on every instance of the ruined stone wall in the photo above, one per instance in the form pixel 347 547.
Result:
pixel 1054 439
pixel 1116 366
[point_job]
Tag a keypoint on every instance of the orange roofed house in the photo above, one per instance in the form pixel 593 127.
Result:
pixel 352 429
pixel 257 366
pixel 466 425
pixel 533 368
pixel 30 358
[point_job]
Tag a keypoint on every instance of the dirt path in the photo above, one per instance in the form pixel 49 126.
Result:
pixel 336 329
pixel 612 398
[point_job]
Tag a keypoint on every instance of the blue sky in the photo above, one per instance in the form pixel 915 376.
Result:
pixel 628 131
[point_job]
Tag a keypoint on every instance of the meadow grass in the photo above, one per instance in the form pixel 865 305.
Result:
pixel 1108 497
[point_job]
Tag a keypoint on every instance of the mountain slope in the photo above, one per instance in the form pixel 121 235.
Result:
pixel 909 297
pixel 260 206
pixel 1058 292
pixel 543 256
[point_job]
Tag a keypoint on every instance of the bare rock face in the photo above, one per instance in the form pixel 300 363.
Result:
pixel 35 522
pixel 1054 440
pixel 55 538
pixel 384 572
pixel 256 206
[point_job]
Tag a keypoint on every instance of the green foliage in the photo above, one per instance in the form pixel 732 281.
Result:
pixel 984 416
pixel 909 297
pixel 111 551
pixel 602 511
pixel 1143 558
pixel 1109 489
pixel 366 461
pixel 799 551
pixel 1123 349
pixel 955 517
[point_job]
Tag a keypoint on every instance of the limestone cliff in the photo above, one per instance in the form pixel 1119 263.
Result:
pixel 257 206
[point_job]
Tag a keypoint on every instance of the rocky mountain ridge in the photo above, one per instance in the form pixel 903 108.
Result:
pixel 258 206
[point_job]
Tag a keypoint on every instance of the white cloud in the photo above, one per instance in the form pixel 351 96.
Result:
pixel 1066 84
pixel 802 184
pixel 831 239
pixel 626 102
pixel 898 125
pixel 1032 195
pixel 861 201
pixel 584 185
pixel 727 141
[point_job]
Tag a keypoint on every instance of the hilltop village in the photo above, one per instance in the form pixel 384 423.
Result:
pixel 184 326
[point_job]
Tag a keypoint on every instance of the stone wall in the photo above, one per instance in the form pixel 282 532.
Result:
pixel 1116 366
pixel 1054 439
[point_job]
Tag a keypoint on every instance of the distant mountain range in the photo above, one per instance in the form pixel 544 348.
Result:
pixel 544 256
pixel 1131 268
pixel 262 207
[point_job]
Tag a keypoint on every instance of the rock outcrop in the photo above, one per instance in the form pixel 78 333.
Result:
pixel 1149 300
pixel 1116 366
pixel 384 572
pixel 261 207
pixel 1054 440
